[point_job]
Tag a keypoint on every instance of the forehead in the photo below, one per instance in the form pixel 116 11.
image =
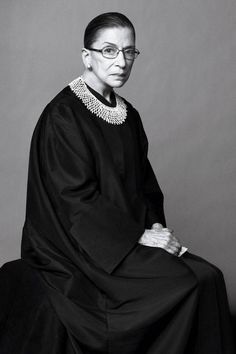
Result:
pixel 120 36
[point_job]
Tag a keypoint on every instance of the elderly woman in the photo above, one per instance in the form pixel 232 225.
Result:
pixel 113 277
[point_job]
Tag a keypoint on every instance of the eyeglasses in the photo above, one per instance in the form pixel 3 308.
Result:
pixel 110 52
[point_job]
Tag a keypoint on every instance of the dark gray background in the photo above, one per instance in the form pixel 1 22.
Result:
pixel 183 84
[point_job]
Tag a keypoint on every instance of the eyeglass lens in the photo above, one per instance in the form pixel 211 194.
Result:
pixel 112 52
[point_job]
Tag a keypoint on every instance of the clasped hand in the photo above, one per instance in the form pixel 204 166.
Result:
pixel 159 236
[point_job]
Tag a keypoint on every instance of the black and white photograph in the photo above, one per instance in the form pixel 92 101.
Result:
pixel 118 167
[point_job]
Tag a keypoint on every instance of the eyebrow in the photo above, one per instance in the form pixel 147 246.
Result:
pixel 113 44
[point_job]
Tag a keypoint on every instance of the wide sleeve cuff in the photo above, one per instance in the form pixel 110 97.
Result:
pixel 106 238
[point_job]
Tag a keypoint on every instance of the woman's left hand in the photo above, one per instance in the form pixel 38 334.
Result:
pixel 161 237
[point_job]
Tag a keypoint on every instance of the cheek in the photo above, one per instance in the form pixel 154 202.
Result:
pixel 108 65
pixel 131 63
pixel 103 66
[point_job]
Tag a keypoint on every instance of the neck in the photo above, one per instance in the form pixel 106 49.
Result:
pixel 97 85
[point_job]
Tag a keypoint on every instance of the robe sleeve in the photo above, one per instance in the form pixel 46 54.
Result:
pixel 98 226
pixel 153 195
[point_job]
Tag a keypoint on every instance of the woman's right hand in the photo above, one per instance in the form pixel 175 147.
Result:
pixel 161 237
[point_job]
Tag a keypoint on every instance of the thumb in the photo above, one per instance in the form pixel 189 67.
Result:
pixel 157 226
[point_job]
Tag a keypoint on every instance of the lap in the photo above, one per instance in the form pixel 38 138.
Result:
pixel 154 262
pixel 202 268
pixel 163 272
pixel 152 275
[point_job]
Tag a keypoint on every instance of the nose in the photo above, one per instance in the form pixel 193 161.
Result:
pixel 120 59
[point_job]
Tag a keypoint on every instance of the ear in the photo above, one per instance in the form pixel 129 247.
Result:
pixel 85 56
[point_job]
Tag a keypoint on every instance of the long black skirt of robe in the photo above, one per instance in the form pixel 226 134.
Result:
pixel 84 284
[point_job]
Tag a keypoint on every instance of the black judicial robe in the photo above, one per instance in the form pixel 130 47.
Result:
pixel 86 284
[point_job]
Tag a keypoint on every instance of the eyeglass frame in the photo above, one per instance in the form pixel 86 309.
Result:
pixel 137 52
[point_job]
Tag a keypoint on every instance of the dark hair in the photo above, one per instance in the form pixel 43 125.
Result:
pixel 105 20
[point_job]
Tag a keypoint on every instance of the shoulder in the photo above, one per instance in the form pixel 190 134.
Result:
pixel 60 118
pixel 62 102
pixel 137 120
pixel 128 103
pixel 132 111
pixel 64 108
pixel 59 127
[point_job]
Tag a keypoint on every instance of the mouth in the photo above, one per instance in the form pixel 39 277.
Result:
pixel 119 75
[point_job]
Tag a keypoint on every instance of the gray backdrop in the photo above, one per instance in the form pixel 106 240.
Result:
pixel 183 84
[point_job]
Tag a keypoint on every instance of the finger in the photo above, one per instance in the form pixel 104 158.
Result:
pixel 173 250
pixel 169 250
pixel 162 233
pixel 175 245
pixel 157 226
pixel 153 242
pixel 168 230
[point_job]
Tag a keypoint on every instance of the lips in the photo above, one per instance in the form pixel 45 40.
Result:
pixel 120 75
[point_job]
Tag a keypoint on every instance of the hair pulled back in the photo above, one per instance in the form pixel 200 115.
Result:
pixel 105 20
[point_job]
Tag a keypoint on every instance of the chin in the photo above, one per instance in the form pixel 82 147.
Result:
pixel 116 83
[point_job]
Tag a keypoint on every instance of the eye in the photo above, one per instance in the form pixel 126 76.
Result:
pixel 109 50
pixel 130 51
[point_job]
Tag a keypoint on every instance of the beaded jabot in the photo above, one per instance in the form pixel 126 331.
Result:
pixel 113 115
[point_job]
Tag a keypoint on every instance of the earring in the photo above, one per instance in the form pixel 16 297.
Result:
pixel 89 67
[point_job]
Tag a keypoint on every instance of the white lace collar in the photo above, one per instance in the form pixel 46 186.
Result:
pixel 112 115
